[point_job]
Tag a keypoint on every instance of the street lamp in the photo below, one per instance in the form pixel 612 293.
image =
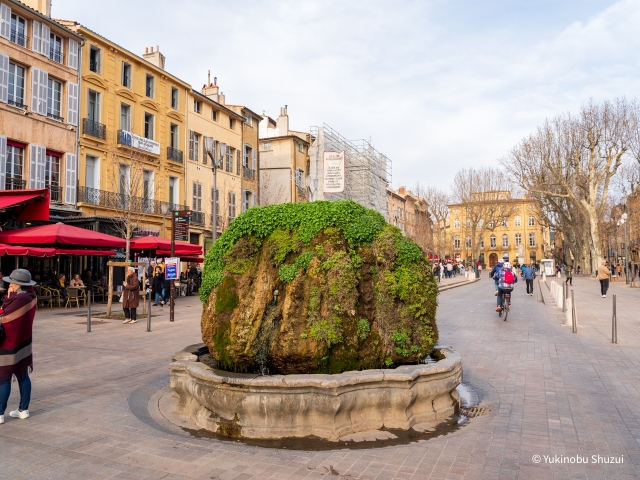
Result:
pixel 626 241
pixel 164 207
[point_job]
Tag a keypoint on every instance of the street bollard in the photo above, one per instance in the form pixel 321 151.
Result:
pixel 88 310
pixel 574 320
pixel 564 297
pixel 614 323
pixel 149 312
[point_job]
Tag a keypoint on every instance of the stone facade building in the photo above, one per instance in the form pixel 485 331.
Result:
pixel 409 213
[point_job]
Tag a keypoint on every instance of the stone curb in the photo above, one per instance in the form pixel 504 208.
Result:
pixel 456 285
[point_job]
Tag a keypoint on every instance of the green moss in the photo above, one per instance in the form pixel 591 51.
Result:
pixel 281 243
pixel 222 345
pixel 227 296
pixel 363 329
pixel 288 273
pixel 327 330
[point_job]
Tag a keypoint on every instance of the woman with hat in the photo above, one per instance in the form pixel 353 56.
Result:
pixel 15 340
pixel 131 296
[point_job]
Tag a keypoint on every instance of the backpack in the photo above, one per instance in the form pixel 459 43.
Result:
pixel 509 277
pixel 496 275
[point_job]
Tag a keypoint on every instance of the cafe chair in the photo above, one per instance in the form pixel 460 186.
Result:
pixel 74 295
pixel 43 296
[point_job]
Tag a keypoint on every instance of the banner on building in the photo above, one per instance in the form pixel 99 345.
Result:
pixel 334 172
pixel 141 143
pixel 171 268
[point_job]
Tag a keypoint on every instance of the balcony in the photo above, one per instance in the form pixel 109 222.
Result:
pixel 56 55
pixel 248 173
pixel 174 154
pixel 14 183
pixel 94 129
pixel 55 117
pixel 16 104
pixel 197 217
pixel 93 66
pixel 218 221
pixel 18 38
pixel 123 202
pixel 55 193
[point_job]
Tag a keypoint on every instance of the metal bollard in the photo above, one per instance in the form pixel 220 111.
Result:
pixel 564 297
pixel 614 323
pixel 149 312
pixel 88 310
pixel 574 320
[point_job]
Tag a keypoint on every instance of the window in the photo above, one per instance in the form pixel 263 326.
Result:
pixel 123 180
pixel 15 162
pixel 456 211
pixel 149 84
pixel 505 223
pixel 125 117
pixel 467 242
pixel 215 202
pixel 56 48
pixel 173 136
pixel 532 221
pixel 482 244
pixel 266 145
pixel 529 207
pixel 468 223
pixel 16 85
pixel 248 120
pixel 214 117
pixel 456 224
pixel 231 152
pixel 54 95
pixel 173 191
pixel 52 175
pixel 238 155
pixel 299 178
pixel 518 239
pixel 18 30
pixel 517 221
pixel 505 240
pixel 148 126
pixel 492 224
pixel 532 239
pixel 456 242
pixel 174 98
pixel 93 106
pixel 246 200
pixel 480 223
pixel 126 75
pixel 147 189
pixel 301 147
pixel 232 206
pixel 232 123
pixel 94 59
pixel 197 197
pixel 246 161
pixel 92 179
pixel 197 106
pixel 194 145
pixel 492 241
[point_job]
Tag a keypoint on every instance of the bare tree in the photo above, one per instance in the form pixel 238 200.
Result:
pixel 438 209
pixel 484 196
pixel 575 158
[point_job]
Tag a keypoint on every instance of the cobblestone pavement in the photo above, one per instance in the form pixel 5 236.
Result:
pixel 553 392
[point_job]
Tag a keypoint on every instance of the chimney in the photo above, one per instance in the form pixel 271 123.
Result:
pixel 282 123
pixel 401 191
pixel 212 91
pixel 42 6
pixel 154 57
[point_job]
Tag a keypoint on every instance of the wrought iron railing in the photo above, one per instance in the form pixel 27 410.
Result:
pixel 56 55
pixel 18 38
pixel 197 217
pixel 55 117
pixel 55 193
pixel 21 105
pixel 93 66
pixel 93 128
pixel 218 220
pixel 14 183
pixel 125 81
pixel 174 154
pixel 121 201
pixel 249 173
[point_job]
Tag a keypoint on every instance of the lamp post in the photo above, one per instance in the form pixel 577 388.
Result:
pixel 164 207
pixel 626 241
pixel 210 149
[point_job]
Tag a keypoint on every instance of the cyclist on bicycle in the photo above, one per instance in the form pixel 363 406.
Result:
pixel 506 282
pixel 495 273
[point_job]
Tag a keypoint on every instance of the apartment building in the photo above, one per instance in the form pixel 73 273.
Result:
pixel 284 161
pixel 409 213
pixel 39 78
pixel 132 137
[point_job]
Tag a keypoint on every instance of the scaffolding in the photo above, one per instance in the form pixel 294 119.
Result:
pixel 368 172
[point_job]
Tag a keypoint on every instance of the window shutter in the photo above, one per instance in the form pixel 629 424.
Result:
pixel 36 44
pixel 191 141
pixel 245 161
pixel 5 21
pixel 33 162
pixel 35 89
pixel 42 95
pixel 72 104
pixel 3 162
pixel 238 161
pixel 244 201
pixel 199 197
pixel 41 165
pixel 253 195
pixel 4 78
pixel 45 35
pixel 253 151
pixel 70 179
pixel 73 54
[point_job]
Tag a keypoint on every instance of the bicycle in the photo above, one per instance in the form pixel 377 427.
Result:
pixel 504 306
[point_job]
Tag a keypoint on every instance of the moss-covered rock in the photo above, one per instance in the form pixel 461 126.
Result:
pixel 352 292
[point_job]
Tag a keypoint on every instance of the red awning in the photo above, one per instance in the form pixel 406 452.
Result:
pixel 27 251
pixel 60 235
pixel 178 253
pixel 164 245
pixel 192 259
pixel 93 253
pixel 27 205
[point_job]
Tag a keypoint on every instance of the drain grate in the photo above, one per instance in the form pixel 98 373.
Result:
pixel 475 411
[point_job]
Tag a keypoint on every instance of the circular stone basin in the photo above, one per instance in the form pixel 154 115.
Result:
pixel 325 406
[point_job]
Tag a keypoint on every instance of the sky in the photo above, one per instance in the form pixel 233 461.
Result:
pixel 435 85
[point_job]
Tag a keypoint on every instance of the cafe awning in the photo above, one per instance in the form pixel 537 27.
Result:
pixel 26 251
pixel 78 251
pixel 25 205
pixel 60 235
pixel 164 245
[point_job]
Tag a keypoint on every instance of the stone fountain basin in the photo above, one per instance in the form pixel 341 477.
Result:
pixel 325 406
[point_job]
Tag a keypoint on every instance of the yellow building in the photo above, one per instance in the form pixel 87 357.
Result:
pixel 284 161
pixel 38 103
pixel 132 136
pixel 519 234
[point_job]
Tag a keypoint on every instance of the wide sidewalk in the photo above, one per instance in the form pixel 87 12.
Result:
pixel 552 392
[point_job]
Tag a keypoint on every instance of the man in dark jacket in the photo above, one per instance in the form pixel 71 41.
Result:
pixel 529 274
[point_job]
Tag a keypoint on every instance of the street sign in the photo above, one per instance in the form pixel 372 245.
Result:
pixel 171 268
pixel 182 219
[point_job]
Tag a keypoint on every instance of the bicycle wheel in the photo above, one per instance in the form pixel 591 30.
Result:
pixel 505 308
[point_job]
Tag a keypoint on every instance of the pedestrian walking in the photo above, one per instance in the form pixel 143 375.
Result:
pixel 131 296
pixel 449 269
pixel 529 274
pixel 568 271
pixel 156 287
pixel 16 356
pixel 436 272
pixel 603 276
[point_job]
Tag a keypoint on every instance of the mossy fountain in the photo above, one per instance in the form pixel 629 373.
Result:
pixel 317 318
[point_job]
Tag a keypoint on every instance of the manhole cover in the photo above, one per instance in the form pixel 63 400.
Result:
pixel 475 411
